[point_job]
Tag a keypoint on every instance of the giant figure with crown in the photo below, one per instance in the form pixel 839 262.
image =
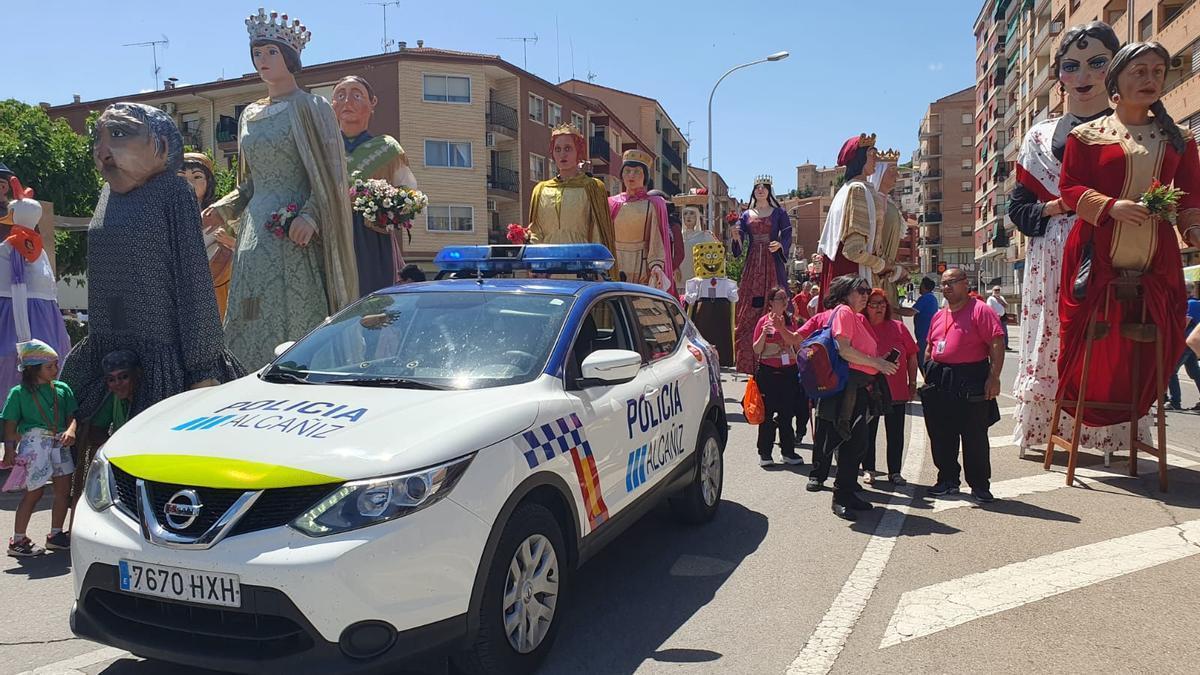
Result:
pixel 295 261
pixel 847 243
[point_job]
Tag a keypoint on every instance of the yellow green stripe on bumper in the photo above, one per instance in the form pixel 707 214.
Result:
pixel 217 472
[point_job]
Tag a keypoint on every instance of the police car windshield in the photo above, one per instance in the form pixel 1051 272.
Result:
pixel 471 339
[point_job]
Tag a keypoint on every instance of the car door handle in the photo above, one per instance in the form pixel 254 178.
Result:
pixel 651 392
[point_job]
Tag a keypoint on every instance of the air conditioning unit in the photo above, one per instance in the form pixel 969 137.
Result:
pixel 489 139
pixel 1056 27
pixel 491 206
pixel 1177 63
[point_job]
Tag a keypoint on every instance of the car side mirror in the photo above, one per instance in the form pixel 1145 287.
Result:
pixel 609 366
pixel 283 347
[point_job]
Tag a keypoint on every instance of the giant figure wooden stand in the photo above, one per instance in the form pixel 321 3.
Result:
pixel 1126 289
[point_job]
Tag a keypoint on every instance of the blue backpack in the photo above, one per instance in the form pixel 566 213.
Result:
pixel 823 371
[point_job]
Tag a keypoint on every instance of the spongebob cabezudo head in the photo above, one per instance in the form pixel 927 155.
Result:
pixel 709 260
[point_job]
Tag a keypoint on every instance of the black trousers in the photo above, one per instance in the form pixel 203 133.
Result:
pixel 849 450
pixel 953 423
pixel 778 387
pixel 893 423
pixel 801 412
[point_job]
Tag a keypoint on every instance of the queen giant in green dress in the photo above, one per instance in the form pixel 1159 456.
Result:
pixel 290 153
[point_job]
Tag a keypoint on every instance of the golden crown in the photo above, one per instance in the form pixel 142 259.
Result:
pixel 566 128
pixel 889 155
pixel 865 141
pixel 639 156
pixel 763 179
pixel 274 27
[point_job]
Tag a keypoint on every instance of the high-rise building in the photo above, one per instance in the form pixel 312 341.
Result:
pixel 944 169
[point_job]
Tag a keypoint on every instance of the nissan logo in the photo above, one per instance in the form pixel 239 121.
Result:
pixel 182 509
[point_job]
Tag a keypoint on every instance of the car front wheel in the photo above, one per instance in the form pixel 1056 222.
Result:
pixel 698 502
pixel 521 597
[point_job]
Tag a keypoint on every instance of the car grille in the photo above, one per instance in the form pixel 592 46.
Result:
pixel 251 633
pixel 274 507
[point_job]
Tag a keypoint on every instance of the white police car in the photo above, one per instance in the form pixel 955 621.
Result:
pixel 420 474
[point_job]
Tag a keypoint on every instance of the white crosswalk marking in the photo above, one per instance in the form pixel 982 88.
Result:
pixel 1053 480
pixel 829 637
pixel 935 608
pixel 73 664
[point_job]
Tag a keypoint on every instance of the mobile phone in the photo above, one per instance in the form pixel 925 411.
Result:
pixel 892 356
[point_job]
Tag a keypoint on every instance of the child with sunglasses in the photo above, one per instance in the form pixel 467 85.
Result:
pixel 39 430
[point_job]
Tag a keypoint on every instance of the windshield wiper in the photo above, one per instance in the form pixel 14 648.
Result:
pixel 397 382
pixel 277 375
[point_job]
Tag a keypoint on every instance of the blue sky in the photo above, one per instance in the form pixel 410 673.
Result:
pixel 870 65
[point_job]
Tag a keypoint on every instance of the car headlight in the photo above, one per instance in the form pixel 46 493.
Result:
pixel 377 500
pixel 98 488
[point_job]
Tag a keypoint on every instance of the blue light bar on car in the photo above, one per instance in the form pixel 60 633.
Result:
pixel 542 258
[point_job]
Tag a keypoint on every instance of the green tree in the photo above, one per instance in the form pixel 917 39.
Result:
pixel 48 156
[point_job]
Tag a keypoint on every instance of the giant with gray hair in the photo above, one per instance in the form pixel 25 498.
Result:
pixel 133 142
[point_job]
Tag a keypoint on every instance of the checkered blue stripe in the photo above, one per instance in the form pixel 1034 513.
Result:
pixel 553 438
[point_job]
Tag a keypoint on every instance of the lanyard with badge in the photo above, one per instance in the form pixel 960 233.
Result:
pixel 939 347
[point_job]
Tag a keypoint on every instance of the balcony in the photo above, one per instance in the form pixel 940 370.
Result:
pixel 672 156
pixel 503 180
pixel 931 151
pixel 501 119
pixel 599 149
pixel 932 196
pixel 929 130
pixel 935 174
pixel 1174 33
pixel 931 241
pixel 670 187
pixel 999 111
pixel 998 79
pixel 1041 81
pixel 931 217
pixel 1040 37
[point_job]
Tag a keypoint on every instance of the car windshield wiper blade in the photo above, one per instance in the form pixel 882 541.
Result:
pixel 279 375
pixel 397 382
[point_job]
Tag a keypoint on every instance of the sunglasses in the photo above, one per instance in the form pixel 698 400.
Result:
pixel 863 290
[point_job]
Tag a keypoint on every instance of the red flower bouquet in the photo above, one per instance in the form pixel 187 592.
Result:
pixel 1162 200
pixel 281 220
pixel 519 235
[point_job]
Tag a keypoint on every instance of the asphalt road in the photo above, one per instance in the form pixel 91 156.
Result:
pixel 1102 576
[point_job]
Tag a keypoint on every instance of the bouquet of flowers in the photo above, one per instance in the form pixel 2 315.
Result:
pixel 281 220
pixel 731 217
pixel 1162 200
pixel 385 207
pixel 519 235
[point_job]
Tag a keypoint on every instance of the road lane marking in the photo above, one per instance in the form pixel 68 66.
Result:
pixel 76 662
pixel 935 608
pixel 829 637
pixel 1050 481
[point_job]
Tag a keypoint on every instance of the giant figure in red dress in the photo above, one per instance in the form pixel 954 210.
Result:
pixel 1108 164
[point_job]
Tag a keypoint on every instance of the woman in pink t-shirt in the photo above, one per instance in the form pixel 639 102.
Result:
pixel 843 419
pixel 891 334
pixel 775 342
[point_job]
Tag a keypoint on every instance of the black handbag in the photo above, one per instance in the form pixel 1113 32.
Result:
pixel 1083 274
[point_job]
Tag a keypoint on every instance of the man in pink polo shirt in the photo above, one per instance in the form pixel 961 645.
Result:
pixel 964 357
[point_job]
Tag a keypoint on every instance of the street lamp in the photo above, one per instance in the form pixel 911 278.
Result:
pixel 777 56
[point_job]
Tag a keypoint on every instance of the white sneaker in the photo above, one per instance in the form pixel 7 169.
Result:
pixel 765 462
pixel 795 460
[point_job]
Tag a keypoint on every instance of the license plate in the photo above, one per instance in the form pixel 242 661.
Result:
pixel 175 583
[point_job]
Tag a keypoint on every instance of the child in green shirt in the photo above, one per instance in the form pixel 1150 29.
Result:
pixel 39 430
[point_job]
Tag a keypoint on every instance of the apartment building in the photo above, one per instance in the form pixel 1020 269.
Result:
pixel 944 167
pixel 475 128
pixel 651 123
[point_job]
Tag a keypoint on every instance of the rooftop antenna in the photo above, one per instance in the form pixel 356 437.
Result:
pixel 557 52
pixel 153 45
pixel 524 46
pixel 688 135
pixel 387 44
pixel 571 42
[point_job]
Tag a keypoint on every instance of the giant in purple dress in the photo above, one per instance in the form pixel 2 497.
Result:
pixel 766 232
